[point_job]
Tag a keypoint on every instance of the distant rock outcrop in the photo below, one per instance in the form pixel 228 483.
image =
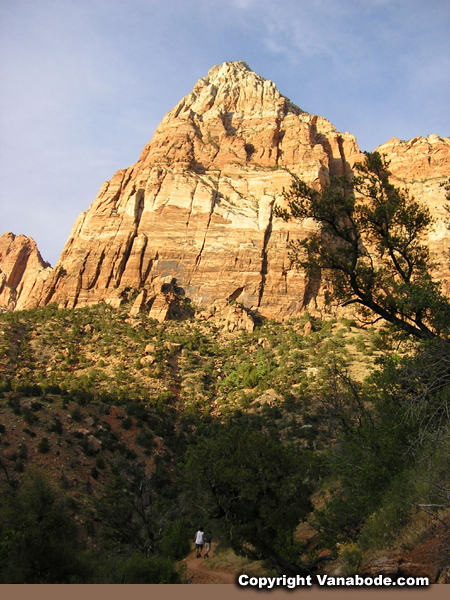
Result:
pixel 198 205
pixel 22 272
pixel 228 315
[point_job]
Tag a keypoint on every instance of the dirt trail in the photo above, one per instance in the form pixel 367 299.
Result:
pixel 199 572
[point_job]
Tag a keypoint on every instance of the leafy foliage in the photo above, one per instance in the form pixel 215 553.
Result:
pixel 403 409
pixel 145 569
pixel 38 538
pixel 370 246
pixel 257 488
pixel 133 509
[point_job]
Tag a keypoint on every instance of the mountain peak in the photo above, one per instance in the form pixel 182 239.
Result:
pixel 198 205
pixel 233 88
pixel 231 66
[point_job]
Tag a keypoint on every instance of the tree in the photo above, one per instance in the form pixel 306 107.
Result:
pixel 370 244
pixel 38 536
pixel 400 422
pixel 134 509
pixel 257 488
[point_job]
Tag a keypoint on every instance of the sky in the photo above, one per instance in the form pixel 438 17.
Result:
pixel 84 83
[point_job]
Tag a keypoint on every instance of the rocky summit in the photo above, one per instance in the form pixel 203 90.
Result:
pixel 195 212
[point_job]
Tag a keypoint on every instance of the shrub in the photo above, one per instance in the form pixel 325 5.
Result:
pixel 53 389
pixel 56 426
pixel 100 462
pixel 38 537
pixel 139 569
pixel 44 445
pixel 28 416
pixel 351 558
pixel 145 439
pixel 127 423
pixel 76 414
pixel 19 466
pixel 29 389
pixel 5 386
pixel 176 543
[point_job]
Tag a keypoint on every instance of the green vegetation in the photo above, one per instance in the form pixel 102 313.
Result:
pixel 146 429
pixel 393 428
pixel 371 243
pixel 32 519
pixel 255 486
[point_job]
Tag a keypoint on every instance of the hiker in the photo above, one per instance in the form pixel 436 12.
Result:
pixel 199 541
pixel 207 539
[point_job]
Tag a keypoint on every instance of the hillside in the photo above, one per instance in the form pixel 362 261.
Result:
pixel 91 394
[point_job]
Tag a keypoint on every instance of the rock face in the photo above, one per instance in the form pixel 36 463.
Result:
pixel 228 315
pixel 22 272
pixel 198 204
pixel 422 165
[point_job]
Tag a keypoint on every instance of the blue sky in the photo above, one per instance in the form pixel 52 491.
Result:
pixel 85 83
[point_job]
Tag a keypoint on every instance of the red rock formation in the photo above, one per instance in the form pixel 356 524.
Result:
pixel 198 204
pixel 22 271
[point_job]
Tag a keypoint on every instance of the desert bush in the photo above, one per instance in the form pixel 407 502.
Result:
pixel 146 570
pixel 350 556
pixel 127 423
pixel 175 544
pixel 76 414
pixel 19 466
pixel 56 426
pixel 44 445
pixel 28 416
pixel 145 439
pixel 100 462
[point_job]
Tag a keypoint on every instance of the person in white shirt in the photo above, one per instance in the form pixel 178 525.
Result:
pixel 199 541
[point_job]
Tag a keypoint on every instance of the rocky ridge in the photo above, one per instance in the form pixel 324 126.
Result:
pixel 197 207
pixel 22 271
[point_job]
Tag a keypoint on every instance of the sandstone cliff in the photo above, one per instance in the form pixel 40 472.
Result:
pixel 22 272
pixel 198 204
pixel 422 165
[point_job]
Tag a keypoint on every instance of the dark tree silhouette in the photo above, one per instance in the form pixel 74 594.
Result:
pixel 256 488
pixel 370 245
